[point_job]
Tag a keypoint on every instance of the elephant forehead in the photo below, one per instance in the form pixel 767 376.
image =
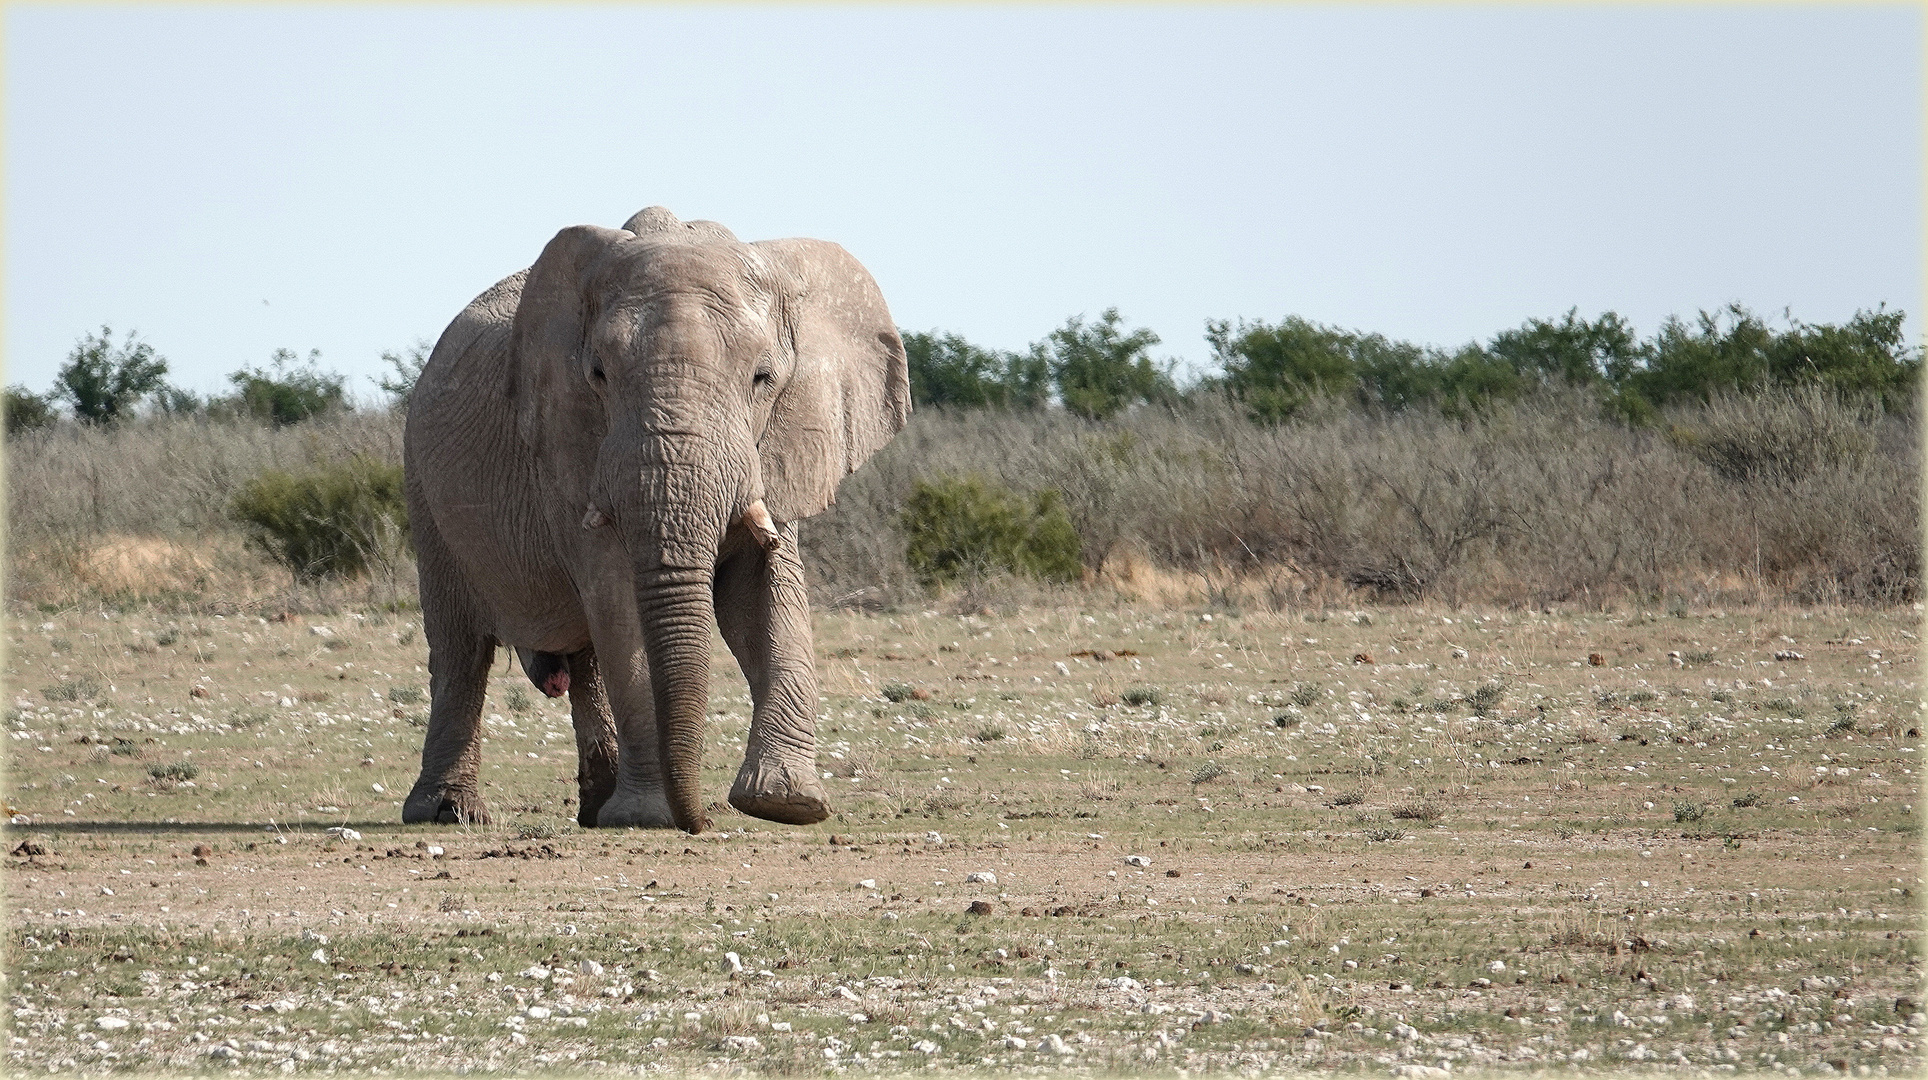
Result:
pixel 725 269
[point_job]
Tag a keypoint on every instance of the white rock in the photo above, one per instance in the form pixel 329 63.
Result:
pixel 20 819
pixel 1055 1044
pixel 732 964
pixel 1064 670
pixel 534 971
pixel 590 967
pixel 435 851
pixel 933 838
pixel 538 1012
pixel 1459 654
pixel 319 630
pixel 343 832
pixel 741 1042
pixel 311 934
pixel 318 956
pixel 924 1046
pixel 105 891
pixel 1137 860
pixel 110 1023
pixel 1497 965
pixel 867 883
pixel 846 993
pixel 1012 1042
pixel 221 1050
pixel 982 877
pixel 780 1025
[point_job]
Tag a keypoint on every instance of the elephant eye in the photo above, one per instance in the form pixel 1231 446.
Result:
pixel 763 379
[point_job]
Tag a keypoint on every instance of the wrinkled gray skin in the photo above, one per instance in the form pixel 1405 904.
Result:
pixel 587 451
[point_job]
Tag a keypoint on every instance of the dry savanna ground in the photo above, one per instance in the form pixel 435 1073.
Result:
pixel 1395 841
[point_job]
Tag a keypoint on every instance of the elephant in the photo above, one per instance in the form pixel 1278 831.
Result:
pixel 610 451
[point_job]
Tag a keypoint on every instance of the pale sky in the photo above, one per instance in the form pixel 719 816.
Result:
pixel 229 180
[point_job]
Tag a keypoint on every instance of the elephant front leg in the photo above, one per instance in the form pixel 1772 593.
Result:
pixel 764 613
pixel 596 746
pixel 629 744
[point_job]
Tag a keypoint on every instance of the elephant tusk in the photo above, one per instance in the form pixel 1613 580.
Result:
pixel 594 519
pixel 757 520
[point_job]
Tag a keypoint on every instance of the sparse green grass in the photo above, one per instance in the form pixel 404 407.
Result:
pixel 1522 835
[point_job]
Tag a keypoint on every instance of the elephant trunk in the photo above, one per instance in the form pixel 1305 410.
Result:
pixel 677 611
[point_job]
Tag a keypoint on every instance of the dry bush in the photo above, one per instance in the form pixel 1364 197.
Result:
pixel 1542 501
pixel 1780 496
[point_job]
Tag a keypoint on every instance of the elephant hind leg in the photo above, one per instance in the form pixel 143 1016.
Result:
pixel 596 747
pixel 447 790
pixel 460 653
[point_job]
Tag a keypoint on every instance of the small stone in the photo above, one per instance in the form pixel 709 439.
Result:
pixel 1596 660
pixel 435 851
pixel 319 956
pixel 201 851
pixel 221 1051
pixel 978 907
pixel 1137 860
pixel 1459 654
pixel 924 1046
pixel 743 1043
pixel 1785 655
pixel 933 838
pixel 590 967
pixel 981 877
pixel 110 1023
pixel 538 1012
pixel 867 883
pixel 197 692
pixel 732 964
pixel 1362 658
pixel 1013 1042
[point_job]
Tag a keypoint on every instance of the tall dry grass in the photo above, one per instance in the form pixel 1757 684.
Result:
pixel 1784 495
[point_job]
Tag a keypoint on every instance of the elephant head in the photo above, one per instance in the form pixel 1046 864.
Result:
pixel 688 382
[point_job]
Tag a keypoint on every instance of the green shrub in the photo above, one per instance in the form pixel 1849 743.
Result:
pixel 1305 694
pixel 177 771
pixel 407 695
pixel 336 520
pixel 1484 699
pixel 1143 695
pixel 1686 810
pixel 81 689
pixel 896 692
pixel 28 411
pixel 970 527
pixel 286 392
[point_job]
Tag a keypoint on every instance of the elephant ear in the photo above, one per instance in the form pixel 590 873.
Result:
pixel 559 302
pixel 849 391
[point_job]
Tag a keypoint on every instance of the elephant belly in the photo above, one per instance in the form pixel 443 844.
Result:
pixel 531 602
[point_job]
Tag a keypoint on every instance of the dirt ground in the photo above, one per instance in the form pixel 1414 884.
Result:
pixel 1396 841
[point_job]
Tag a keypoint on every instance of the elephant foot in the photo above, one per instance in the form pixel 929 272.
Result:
pixel 591 798
pixel 635 809
pixel 447 806
pixel 787 796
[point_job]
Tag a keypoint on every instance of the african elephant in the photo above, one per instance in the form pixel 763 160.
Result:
pixel 608 450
